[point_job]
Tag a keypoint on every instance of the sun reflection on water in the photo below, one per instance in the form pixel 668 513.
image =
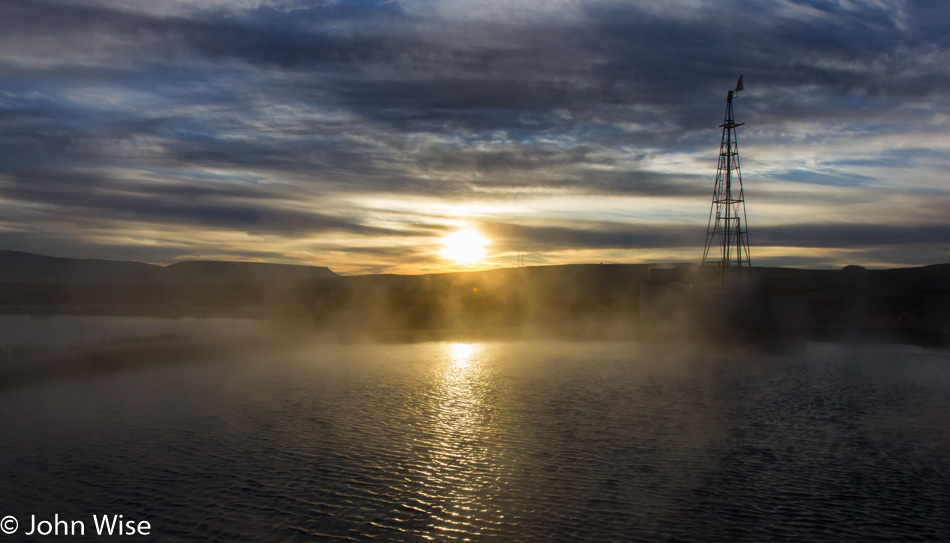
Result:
pixel 462 355
pixel 461 464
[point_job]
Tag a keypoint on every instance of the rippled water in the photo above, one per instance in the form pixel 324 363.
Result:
pixel 522 441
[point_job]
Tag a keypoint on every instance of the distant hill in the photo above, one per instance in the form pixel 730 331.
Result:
pixel 204 271
pixel 29 268
pixel 18 267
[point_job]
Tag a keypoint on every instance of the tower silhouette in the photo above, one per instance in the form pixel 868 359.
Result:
pixel 727 233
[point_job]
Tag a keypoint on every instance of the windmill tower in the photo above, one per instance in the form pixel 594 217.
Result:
pixel 727 234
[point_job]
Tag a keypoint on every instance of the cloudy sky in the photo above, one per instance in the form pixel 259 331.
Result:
pixel 360 134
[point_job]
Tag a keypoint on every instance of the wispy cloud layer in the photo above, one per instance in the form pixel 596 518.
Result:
pixel 356 134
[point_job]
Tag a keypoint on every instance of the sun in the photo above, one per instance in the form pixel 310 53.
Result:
pixel 466 246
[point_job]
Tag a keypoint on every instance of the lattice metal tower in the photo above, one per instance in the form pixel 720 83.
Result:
pixel 727 235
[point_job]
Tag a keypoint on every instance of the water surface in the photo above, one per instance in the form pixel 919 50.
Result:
pixel 525 441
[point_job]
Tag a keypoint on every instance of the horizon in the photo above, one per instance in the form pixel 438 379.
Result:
pixel 470 270
pixel 433 136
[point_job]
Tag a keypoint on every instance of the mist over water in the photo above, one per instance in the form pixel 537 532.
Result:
pixel 43 332
pixel 530 441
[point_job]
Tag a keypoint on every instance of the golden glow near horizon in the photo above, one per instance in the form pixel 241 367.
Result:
pixel 465 247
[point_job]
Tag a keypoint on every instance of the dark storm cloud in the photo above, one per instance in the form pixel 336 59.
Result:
pixel 379 61
pixel 487 75
pixel 178 206
pixel 608 235
pixel 293 103
pixel 852 235
pixel 588 235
